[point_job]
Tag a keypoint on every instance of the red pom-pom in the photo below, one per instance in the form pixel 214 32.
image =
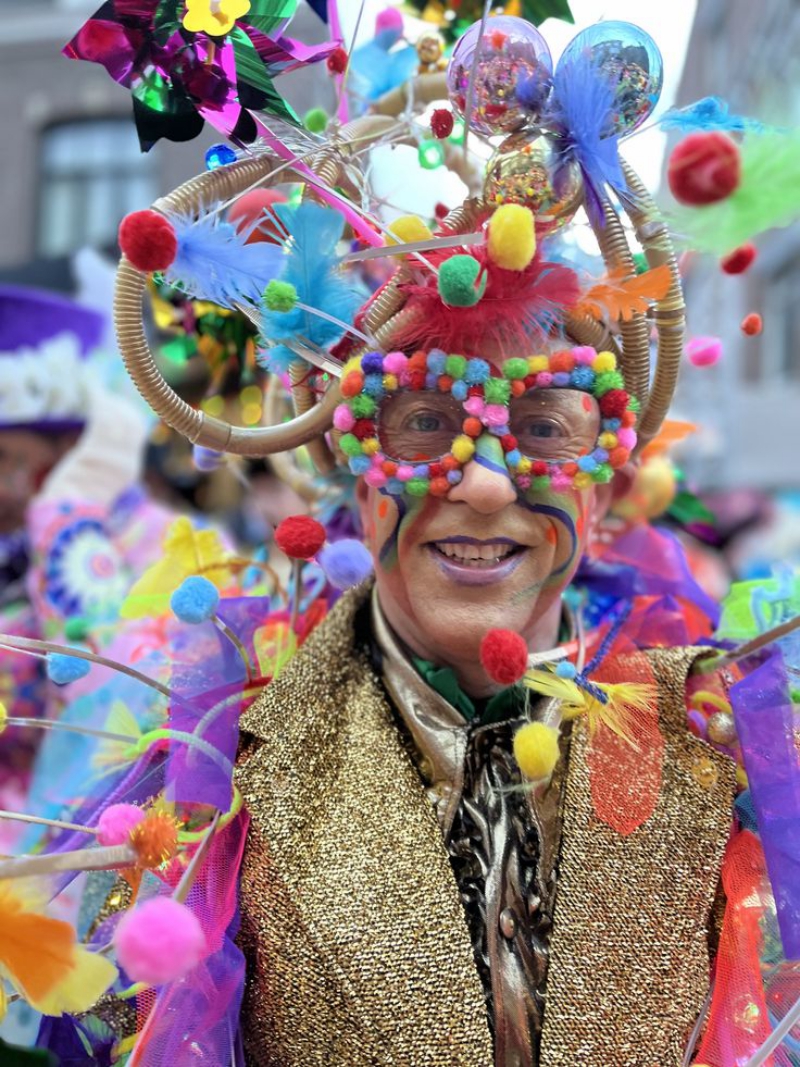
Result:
pixel 441 211
pixel 504 656
pixel 300 537
pixel 704 168
pixel 148 240
pixel 337 61
pixel 740 259
pixel 442 123
pixel 752 324
pixel 613 403
pixel 255 211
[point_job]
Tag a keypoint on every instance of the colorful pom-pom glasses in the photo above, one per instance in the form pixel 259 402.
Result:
pixel 409 424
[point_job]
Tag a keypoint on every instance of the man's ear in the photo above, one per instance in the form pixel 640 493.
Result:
pixel 609 493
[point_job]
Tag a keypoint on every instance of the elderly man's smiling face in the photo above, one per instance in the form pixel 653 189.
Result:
pixel 488 554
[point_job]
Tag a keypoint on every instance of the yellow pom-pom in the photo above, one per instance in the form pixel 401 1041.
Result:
pixel 536 364
pixel 3 716
pixel 607 440
pixel 370 445
pixel 604 361
pixel 463 448
pixel 536 750
pixel 524 466
pixel 512 237
pixel 582 480
pixel 390 382
pixel 406 229
pixel 351 365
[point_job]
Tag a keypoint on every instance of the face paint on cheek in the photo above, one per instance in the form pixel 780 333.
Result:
pixel 391 510
pixel 566 514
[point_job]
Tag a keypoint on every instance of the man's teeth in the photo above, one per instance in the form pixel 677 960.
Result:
pixel 474 555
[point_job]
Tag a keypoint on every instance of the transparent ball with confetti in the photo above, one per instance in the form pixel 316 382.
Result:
pixel 630 58
pixel 512 76
pixel 527 169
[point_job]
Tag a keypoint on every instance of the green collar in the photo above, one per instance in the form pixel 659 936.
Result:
pixel 507 704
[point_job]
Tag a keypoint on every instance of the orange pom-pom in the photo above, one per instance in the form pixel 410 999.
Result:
pixel 752 324
pixel 155 838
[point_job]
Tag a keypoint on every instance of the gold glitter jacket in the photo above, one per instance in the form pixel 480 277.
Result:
pixel 357 948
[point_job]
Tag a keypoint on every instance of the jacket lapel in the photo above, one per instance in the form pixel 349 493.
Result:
pixel 346 844
pixel 629 954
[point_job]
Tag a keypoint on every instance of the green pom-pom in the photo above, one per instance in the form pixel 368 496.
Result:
pixel 516 369
pixel 602 473
pixel 280 296
pixel 315 120
pixel 350 445
pixel 417 486
pixel 609 379
pixel 640 262
pixel 455 366
pixel 635 404
pixel 459 282
pixel 496 390
pixel 76 628
pixel 541 482
pixel 362 406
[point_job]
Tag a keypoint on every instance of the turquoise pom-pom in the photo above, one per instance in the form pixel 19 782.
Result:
pixel 565 669
pixel 462 281
pixel 63 669
pixel 345 563
pixel 195 600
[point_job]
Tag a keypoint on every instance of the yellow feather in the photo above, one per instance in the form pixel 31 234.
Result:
pixel 111 754
pixel 624 699
pixel 89 978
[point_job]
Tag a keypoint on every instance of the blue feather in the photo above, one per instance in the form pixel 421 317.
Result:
pixel 312 267
pixel 583 102
pixel 214 263
pixel 710 113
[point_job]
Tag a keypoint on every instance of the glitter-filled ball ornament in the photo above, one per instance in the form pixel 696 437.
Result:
pixel 512 78
pixel 631 59
pixel 527 170
pixel 721 728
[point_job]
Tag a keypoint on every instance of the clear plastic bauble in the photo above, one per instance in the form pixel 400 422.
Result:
pixel 631 59
pixel 527 169
pixel 513 77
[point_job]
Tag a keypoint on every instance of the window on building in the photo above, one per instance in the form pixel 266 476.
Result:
pixel 781 337
pixel 92 174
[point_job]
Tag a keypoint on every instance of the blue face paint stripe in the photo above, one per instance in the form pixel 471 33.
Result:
pixel 566 520
pixel 391 541
pixel 487 464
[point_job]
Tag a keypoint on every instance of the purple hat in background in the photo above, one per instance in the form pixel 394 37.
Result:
pixel 42 337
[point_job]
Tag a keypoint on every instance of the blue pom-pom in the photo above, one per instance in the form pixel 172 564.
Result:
pixel 430 381
pixel 360 464
pixel 459 391
pixel 477 372
pixel 195 600
pixel 514 457
pixel 395 487
pixel 373 385
pixel 565 669
pixel 587 463
pixel 346 563
pixel 582 378
pixel 436 361
pixel 372 363
pixel 454 477
pixel 561 379
pixel 206 459
pixel 63 669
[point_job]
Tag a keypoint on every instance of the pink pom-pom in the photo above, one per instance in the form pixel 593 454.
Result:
pixel 560 482
pixel 159 941
pixel 376 478
pixel 404 473
pixel 626 437
pixel 544 378
pixel 344 419
pixel 495 415
pixel 394 363
pixel 504 655
pixel 474 406
pixel 704 351
pixel 389 19
pixel 584 354
pixel 116 822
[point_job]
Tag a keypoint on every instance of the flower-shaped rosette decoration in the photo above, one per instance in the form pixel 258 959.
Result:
pixel 83 571
pixel 214 17
pixel 370 379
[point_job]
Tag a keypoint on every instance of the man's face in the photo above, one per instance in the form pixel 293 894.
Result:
pixel 26 458
pixel 485 555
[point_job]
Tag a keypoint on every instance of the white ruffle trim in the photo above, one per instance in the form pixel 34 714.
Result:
pixel 48 382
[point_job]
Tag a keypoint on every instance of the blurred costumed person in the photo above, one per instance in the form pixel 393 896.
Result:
pixel 483 807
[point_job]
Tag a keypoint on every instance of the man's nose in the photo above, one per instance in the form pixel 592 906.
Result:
pixel 486 484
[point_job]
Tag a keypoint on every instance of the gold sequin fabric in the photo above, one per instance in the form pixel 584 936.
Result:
pixel 629 953
pixel 357 947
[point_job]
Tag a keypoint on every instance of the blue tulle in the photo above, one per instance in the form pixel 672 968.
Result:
pixel 214 263
pixel 312 268
pixel 710 113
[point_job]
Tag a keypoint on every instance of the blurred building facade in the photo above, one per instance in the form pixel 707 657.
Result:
pixel 71 165
pixel 749 403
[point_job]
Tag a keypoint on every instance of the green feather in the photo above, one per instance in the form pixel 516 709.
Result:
pixel 768 196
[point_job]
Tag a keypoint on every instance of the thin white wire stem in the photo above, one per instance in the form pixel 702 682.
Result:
pixel 343 82
pixel 69 727
pixel 38 820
